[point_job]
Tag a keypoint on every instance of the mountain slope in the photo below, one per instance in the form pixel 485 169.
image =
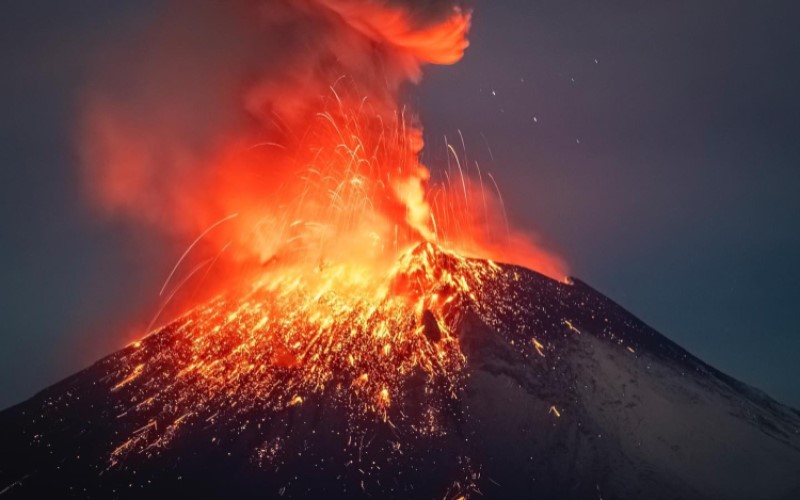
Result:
pixel 521 387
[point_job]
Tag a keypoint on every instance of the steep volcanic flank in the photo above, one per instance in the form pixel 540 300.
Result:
pixel 456 378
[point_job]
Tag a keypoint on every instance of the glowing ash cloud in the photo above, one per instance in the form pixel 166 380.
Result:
pixel 287 114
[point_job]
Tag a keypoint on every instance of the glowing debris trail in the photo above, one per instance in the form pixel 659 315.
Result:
pixel 189 249
pixel 295 333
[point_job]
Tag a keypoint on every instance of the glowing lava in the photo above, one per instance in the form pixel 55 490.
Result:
pixel 293 335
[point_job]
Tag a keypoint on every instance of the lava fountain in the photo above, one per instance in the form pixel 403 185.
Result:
pixel 345 266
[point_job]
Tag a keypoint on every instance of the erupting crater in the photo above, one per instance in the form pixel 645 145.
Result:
pixel 301 332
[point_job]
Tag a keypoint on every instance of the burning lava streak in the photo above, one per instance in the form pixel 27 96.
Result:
pixel 274 130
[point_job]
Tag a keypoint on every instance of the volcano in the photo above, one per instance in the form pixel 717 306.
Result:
pixel 491 380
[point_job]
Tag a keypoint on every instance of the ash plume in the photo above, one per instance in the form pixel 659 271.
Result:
pixel 283 119
pixel 160 111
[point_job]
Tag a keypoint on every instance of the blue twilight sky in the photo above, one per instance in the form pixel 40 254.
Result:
pixel 656 145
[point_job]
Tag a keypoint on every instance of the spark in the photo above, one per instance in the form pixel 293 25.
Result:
pixel 133 375
pixel 538 345
pixel 189 249
pixel 571 326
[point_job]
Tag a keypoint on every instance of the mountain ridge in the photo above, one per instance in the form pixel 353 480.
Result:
pixel 562 394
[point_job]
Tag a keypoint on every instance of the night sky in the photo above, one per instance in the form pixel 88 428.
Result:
pixel 655 145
